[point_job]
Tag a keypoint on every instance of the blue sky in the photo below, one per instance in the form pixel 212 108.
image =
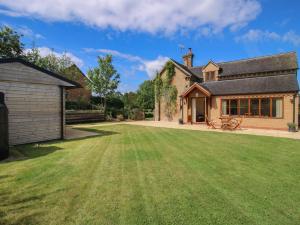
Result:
pixel 141 35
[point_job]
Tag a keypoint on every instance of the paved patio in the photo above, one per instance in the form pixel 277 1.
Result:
pixel 175 125
pixel 262 132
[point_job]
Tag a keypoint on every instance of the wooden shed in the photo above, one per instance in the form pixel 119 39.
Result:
pixel 35 99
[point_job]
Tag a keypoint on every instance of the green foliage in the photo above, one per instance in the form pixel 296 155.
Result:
pixel 170 68
pixel 130 100
pixel 50 62
pixel 115 106
pixel 81 105
pixel 164 89
pixel 130 103
pixel 10 43
pixel 158 84
pixel 145 95
pixel 11 46
pixel 104 79
pixel 170 97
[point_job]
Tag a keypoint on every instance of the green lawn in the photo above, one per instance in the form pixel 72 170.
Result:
pixel 142 175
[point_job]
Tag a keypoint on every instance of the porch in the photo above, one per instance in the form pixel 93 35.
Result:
pixel 195 105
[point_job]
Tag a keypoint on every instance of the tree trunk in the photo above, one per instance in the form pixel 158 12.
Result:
pixel 104 105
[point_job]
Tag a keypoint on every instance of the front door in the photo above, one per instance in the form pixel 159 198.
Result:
pixel 198 110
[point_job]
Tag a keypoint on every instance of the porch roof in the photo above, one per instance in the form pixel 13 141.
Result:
pixel 198 87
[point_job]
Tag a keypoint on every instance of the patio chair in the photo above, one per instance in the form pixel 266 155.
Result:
pixel 210 123
pixel 236 124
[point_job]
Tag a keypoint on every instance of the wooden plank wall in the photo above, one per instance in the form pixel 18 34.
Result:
pixel 34 111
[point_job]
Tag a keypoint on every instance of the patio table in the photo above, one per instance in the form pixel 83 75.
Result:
pixel 226 122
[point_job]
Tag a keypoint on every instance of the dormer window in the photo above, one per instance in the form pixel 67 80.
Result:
pixel 210 76
pixel 210 72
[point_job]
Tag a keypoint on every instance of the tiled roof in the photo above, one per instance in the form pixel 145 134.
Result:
pixel 255 85
pixel 278 62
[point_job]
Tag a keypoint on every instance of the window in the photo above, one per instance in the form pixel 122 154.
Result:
pixel 262 107
pixel 209 76
pixel 233 107
pixel 277 107
pixel 254 107
pixel 212 76
pixel 225 107
pixel 265 107
pixel 244 107
pixel 230 107
pixel 206 76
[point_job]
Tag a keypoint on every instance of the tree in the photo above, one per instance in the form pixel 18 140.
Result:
pixel 145 95
pixel 103 79
pixel 10 44
pixel 52 62
pixel 130 100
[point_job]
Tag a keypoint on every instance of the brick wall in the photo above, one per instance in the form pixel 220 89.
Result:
pixel 78 94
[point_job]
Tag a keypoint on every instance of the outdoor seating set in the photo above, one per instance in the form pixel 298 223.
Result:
pixel 227 123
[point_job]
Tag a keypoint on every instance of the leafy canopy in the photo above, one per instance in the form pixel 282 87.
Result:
pixel 104 79
pixel 11 46
pixel 50 62
pixel 10 43
pixel 145 95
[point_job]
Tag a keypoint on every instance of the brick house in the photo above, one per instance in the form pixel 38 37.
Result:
pixel 262 90
pixel 80 94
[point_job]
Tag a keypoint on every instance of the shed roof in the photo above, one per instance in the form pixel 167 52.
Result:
pixel 69 83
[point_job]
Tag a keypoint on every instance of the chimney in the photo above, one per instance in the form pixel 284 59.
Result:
pixel 188 58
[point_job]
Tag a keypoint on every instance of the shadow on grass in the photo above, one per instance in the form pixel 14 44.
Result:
pixel 25 152
pixel 99 132
pixel 31 151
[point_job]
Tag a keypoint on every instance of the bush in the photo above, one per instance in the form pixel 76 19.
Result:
pixel 82 106
pixel 120 117
pixel 137 114
pixel 149 115
pixel 77 105
pixel 292 127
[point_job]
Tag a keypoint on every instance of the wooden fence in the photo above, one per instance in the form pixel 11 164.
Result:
pixel 84 116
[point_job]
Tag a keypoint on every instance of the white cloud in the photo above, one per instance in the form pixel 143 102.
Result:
pixel 140 15
pixel 292 37
pixel 27 32
pixel 114 53
pixel 44 51
pixel 151 67
pixel 256 35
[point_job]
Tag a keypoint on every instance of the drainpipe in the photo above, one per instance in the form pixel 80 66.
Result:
pixel 181 106
pixel 294 110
